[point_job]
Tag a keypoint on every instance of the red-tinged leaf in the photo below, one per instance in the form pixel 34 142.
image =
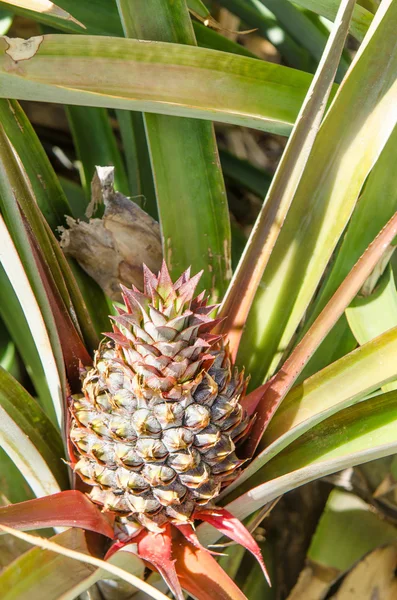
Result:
pixel 66 509
pixel 72 345
pixel 156 548
pixel 230 526
pixel 200 575
pixel 274 393
pixel 251 401
pixel 188 532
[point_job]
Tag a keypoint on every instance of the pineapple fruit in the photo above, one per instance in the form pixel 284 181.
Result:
pixel 154 432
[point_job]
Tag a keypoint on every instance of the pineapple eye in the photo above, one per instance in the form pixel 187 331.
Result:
pixel 170 495
pixel 184 461
pixel 196 477
pixel 177 438
pixel 145 424
pixel 197 417
pixel 151 449
pixel 169 414
pixel 121 427
pixel 128 480
pixel 158 474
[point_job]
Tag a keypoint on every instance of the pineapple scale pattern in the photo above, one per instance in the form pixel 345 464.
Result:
pixel 154 431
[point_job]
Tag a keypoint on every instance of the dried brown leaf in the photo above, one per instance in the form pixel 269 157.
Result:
pixel 112 249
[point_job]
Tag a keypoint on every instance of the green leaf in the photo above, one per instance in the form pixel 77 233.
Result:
pixel 101 19
pixel 124 559
pixel 348 529
pixel 41 573
pixel 12 483
pixel 140 176
pixel 5 21
pixel 96 145
pixel 359 123
pixel 86 558
pixel 361 20
pixel 47 190
pixel 302 29
pixel 289 30
pixel 185 164
pixel 199 8
pixel 245 174
pixel 369 316
pixel 208 38
pixel 94 298
pixel 283 188
pixel 8 356
pixel 376 205
pixel 338 342
pixel 368 425
pixel 16 196
pixel 38 315
pixel 13 316
pixel 42 6
pixel 172 79
pixel 30 439
pixel 75 196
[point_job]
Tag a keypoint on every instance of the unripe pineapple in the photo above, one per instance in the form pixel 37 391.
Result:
pixel 155 430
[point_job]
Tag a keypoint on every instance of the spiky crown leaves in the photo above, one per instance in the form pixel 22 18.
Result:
pixel 165 333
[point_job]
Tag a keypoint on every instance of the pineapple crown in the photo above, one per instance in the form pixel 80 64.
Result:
pixel 164 333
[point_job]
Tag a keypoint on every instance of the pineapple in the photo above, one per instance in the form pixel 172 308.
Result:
pixel 154 432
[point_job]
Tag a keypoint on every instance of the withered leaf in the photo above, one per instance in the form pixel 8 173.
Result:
pixel 113 248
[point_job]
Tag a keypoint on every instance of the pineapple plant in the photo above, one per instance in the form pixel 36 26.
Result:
pixel 156 428
pixel 149 443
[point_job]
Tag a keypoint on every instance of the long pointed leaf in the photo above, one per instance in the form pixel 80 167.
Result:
pixel 87 559
pixel 66 509
pixel 200 575
pixel 360 120
pixel 242 290
pixel 361 21
pixel 42 574
pixel 156 548
pixel 43 6
pixel 42 178
pixel 288 374
pixel 51 361
pixel 96 144
pixel 13 317
pixel 228 525
pixel 155 77
pixel 30 439
pixel 376 205
pixel 187 175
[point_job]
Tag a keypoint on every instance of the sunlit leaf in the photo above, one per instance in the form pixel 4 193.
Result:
pixel 30 439
pixel 43 6
pixel 339 385
pixel 52 362
pixel 86 559
pixel 361 119
pixel 241 292
pixel 154 77
pixel 67 509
